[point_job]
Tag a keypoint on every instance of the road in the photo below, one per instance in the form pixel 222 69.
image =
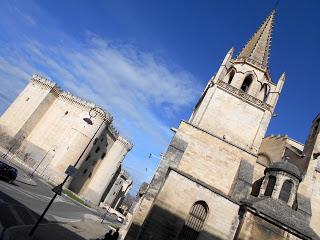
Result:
pixel 21 204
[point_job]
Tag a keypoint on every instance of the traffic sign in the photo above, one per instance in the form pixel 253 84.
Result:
pixel 71 171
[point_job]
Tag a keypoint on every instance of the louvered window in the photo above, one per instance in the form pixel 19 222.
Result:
pixel 194 222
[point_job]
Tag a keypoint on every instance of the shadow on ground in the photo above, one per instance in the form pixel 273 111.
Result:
pixel 17 220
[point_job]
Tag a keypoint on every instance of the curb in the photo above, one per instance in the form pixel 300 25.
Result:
pixel 26 182
pixel 65 220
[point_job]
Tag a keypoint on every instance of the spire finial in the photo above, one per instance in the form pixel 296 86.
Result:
pixel 256 51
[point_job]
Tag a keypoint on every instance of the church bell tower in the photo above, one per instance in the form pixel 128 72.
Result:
pixel 240 99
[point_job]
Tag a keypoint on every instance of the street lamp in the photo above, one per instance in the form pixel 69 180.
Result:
pixel 58 189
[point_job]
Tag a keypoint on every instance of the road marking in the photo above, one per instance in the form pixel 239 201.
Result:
pixel 16 215
pixel 35 196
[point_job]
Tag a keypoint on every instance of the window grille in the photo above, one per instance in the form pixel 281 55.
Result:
pixel 194 222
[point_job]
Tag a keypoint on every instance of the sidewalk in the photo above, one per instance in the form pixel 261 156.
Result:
pixel 23 176
pixel 83 230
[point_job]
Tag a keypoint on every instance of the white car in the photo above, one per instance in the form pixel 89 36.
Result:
pixel 120 219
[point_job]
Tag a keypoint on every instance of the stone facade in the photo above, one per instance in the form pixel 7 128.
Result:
pixel 220 178
pixel 48 129
pixel 119 190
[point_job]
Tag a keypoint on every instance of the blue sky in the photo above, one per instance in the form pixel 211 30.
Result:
pixel 147 61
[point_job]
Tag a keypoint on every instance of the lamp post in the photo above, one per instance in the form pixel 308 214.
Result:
pixel 92 113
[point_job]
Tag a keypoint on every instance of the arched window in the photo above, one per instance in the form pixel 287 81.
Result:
pixel 270 186
pixel 246 83
pixel 256 187
pixel 194 223
pixel 286 191
pixel 231 75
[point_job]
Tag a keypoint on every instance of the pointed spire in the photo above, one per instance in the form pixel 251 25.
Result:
pixel 256 51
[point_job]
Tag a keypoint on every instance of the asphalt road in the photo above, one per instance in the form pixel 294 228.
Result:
pixel 22 204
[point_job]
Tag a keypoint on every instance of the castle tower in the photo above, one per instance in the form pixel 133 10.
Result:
pixel 239 100
pixel 101 178
pixel 209 165
pixel 26 111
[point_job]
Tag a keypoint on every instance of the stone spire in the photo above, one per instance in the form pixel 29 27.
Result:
pixel 256 51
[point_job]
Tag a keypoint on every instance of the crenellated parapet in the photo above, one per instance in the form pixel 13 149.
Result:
pixel 127 143
pixel 113 131
pixel 70 98
pixel 42 81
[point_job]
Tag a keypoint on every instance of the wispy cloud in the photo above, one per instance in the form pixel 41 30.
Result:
pixel 139 88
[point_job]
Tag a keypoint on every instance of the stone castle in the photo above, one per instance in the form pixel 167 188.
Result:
pixel 221 178
pixel 48 128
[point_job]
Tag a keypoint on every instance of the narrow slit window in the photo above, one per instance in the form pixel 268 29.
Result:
pixel 270 186
pixel 231 75
pixel 286 191
pixel 97 149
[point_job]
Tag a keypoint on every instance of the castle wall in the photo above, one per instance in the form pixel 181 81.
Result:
pixel 174 202
pixel 91 162
pixel 74 134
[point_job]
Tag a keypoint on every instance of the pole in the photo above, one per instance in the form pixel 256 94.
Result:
pixel 65 180
pixel 42 215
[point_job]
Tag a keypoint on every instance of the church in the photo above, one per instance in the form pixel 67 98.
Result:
pixel 221 178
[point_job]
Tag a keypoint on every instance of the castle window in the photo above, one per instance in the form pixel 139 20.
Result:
pixel 270 186
pixel 90 174
pixel 95 141
pixel 27 99
pixel 66 113
pixel 103 155
pixel 97 149
pixel 231 75
pixel 85 171
pixel 286 191
pixel 101 139
pixel 195 220
pixel 88 157
pixel 246 83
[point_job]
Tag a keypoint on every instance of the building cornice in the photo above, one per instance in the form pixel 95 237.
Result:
pixel 244 96
pixel 70 98
pixel 220 138
pixel 113 131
